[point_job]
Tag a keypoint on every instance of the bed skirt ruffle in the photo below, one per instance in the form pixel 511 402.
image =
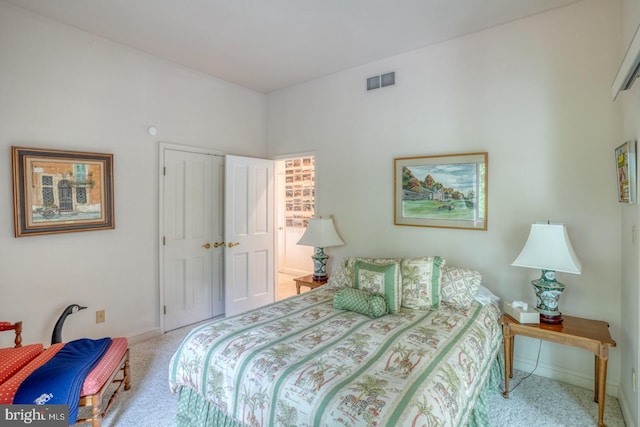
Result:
pixel 479 416
pixel 195 411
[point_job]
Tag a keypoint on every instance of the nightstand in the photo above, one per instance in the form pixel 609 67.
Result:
pixel 592 335
pixel 307 281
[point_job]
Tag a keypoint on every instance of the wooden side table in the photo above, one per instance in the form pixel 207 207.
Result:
pixel 307 281
pixel 592 335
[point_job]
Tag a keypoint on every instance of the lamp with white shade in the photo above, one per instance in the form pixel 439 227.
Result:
pixel 321 234
pixel 549 249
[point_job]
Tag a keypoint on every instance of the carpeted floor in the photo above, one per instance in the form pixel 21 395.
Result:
pixel 537 402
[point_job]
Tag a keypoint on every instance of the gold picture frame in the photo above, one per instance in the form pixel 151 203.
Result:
pixel 59 191
pixel 446 191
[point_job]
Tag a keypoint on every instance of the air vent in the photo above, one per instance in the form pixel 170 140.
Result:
pixel 383 80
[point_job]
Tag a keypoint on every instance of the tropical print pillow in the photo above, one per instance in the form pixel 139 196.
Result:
pixel 421 279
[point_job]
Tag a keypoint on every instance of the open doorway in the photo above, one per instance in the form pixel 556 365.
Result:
pixel 296 204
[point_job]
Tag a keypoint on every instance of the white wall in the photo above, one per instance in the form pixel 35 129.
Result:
pixel 64 89
pixel 535 94
pixel 630 103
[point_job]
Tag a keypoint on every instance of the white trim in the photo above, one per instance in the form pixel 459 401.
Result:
pixel 563 375
pixel 628 68
pixel 295 155
pixel 143 335
pixel 625 408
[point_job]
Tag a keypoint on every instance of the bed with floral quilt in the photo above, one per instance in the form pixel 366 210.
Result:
pixel 332 357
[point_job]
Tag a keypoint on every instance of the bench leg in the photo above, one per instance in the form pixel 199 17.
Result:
pixel 127 377
pixel 96 415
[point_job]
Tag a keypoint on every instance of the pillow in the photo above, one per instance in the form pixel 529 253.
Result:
pixel 484 296
pixel 421 280
pixel 459 286
pixel 341 276
pixel 363 302
pixel 382 279
pixel 13 359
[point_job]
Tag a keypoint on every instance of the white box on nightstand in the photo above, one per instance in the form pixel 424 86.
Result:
pixel 521 315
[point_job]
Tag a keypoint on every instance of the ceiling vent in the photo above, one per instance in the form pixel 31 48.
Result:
pixel 383 80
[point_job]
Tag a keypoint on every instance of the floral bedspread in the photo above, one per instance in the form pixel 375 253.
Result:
pixel 300 362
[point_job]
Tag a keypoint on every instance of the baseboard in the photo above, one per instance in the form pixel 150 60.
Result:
pixel 295 273
pixel 144 335
pixel 562 375
pixel 629 419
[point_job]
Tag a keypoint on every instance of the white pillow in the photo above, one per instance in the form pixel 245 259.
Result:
pixel 484 296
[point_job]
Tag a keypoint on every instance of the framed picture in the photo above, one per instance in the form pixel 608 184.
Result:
pixel 448 191
pixel 626 172
pixel 56 191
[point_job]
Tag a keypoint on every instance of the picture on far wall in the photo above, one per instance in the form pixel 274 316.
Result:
pixel 57 191
pixel 299 198
pixel 626 172
pixel 447 191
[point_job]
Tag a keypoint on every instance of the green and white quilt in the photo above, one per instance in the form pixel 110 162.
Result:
pixel 300 362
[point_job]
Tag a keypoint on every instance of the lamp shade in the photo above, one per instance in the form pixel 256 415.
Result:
pixel 320 233
pixel 549 248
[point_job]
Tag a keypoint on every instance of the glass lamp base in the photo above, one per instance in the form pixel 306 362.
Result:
pixel 319 266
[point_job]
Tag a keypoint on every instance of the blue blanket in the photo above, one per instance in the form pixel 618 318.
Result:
pixel 59 381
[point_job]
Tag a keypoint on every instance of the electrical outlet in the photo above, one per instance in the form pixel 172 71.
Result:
pixel 100 316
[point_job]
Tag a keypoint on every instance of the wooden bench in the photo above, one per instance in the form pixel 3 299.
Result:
pixel 113 368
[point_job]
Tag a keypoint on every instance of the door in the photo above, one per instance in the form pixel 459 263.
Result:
pixel 249 233
pixel 192 230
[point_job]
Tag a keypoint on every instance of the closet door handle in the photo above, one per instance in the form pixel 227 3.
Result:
pixel 230 245
pixel 206 246
pixel 218 244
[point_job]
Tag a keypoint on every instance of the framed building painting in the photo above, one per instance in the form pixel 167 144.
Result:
pixel 626 172
pixel 448 191
pixel 57 191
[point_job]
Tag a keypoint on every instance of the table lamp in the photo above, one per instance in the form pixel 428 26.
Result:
pixel 549 249
pixel 321 234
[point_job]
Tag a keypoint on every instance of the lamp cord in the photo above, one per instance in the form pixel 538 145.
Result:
pixel 529 374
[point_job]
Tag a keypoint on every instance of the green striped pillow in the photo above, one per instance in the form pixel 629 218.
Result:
pixel 381 279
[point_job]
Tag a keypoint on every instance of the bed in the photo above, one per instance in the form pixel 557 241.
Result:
pixel 302 362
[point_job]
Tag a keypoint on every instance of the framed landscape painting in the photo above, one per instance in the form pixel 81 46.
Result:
pixel 56 191
pixel 448 191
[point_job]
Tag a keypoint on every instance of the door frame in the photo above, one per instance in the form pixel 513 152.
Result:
pixel 162 147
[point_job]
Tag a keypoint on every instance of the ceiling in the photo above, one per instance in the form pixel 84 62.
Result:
pixel 267 45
